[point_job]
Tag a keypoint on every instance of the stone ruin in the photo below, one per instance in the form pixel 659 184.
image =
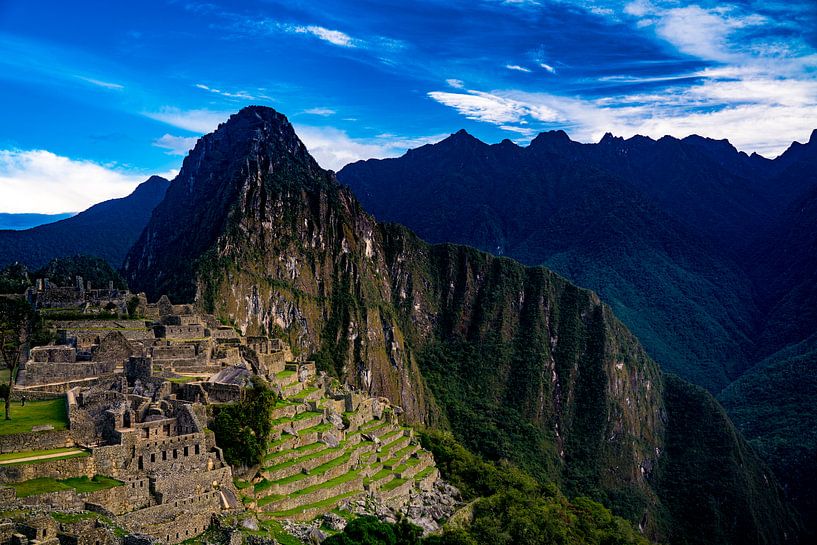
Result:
pixel 137 394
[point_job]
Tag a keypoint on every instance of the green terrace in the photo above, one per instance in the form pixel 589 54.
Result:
pixel 45 485
pixel 36 456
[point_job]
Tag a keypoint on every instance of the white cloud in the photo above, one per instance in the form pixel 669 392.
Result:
pixel 197 121
pixel 455 83
pixel 244 95
pixel 103 84
pixel 43 182
pixel 547 67
pixel 493 108
pixel 176 145
pixel 334 148
pixel 335 37
pixel 324 112
pixel 517 68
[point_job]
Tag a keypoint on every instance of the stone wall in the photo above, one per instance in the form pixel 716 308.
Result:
pixel 56 469
pixel 38 373
pixel 173 352
pixel 133 494
pixel 175 521
pixel 54 353
pixel 21 442
pixel 185 331
pixel 173 486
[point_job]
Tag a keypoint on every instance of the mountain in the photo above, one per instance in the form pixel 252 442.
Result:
pixel 106 230
pixel 27 221
pixel 706 253
pixel 689 303
pixel 519 363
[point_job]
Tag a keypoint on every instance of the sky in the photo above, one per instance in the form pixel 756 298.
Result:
pixel 97 96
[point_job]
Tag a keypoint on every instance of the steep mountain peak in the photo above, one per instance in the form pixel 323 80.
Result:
pixel 462 137
pixel 813 138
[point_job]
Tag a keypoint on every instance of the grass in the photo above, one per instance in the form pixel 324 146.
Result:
pixel 28 453
pixel 394 483
pixel 45 485
pixel 35 413
pixel 424 473
pixel 303 393
pixel 98 482
pixel 71 518
pixel 325 504
pixel 326 426
pixel 284 374
pixel 300 450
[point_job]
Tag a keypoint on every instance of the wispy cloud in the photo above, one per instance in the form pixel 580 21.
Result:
pixel 517 68
pixel 176 145
pixel 242 95
pixel 198 121
pixel 323 112
pixel 494 108
pixel 455 83
pixel 334 37
pixel 547 67
pixel 43 182
pixel 103 84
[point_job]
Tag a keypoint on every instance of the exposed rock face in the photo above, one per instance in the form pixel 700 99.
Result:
pixel 263 237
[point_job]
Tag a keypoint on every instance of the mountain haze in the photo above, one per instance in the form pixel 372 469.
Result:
pixel 517 361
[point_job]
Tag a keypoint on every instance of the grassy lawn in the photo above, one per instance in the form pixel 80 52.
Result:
pixel 35 413
pixel 99 482
pixel 80 484
pixel 29 453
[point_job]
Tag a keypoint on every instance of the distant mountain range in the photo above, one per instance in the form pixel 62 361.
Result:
pixel 708 254
pixel 27 221
pixel 105 230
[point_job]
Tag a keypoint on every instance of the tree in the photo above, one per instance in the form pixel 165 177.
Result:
pixel 17 320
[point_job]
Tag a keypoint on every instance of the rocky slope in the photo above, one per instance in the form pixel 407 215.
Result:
pixel 105 230
pixel 520 363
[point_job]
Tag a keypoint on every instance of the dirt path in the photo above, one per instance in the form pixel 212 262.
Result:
pixel 41 457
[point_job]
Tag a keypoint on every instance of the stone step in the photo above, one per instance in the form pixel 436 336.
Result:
pixel 279 457
pixel 410 470
pixel 271 491
pixel 350 481
pixel 285 378
pixel 291 390
pixel 307 393
pixel 399 456
pixel 304 463
pixel 387 450
pixel 310 511
pixel 300 421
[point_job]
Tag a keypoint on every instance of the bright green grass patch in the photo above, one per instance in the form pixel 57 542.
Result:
pixel 241 484
pixel 391 485
pixel 325 504
pixel 29 453
pixel 326 426
pixel 35 413
pixel 277 531
pixel 303 393
pixel 98 482
pixel 81 454
pixel 280 441
pixel 341 479
pixel 284 374
pixel 424 473
pixel 45 485
pixel 302 449
pixel 71 518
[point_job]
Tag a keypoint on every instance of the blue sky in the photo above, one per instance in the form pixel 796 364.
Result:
pixel 96 96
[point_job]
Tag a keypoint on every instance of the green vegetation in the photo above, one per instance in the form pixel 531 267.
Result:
pixel 30 453
pixel 62 271
pixel 35 413
pixel 45 485
pixel 14 278
pixel 509 508
pixel 242 428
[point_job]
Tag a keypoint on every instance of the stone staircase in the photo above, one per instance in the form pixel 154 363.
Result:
pixel 313 462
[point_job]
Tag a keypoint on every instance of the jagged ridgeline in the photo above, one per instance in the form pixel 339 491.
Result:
pixel 518 362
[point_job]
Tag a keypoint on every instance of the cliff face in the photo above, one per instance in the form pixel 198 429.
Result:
pixel 517 361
